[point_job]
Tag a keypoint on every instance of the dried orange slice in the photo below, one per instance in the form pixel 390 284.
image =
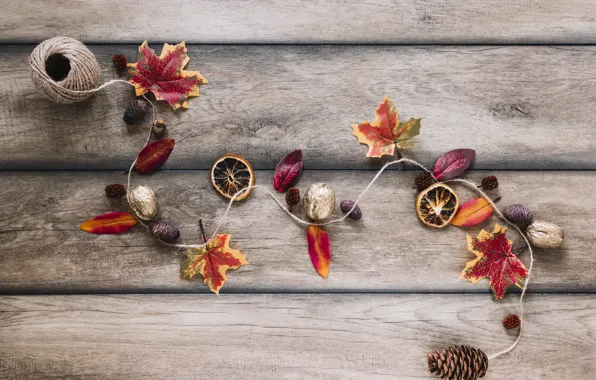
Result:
pixel 437 205
pixel 230 174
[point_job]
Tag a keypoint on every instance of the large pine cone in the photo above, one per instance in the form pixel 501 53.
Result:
pixel 458 363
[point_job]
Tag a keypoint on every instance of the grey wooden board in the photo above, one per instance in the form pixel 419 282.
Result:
pixel 519 107
pixel 310 21
pixel 43 249
pixel 363 337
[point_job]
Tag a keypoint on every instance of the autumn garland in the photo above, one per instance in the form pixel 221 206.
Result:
pixel 437 205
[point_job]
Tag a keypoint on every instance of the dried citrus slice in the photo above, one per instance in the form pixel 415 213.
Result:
pixel 437 205
pixel 230 174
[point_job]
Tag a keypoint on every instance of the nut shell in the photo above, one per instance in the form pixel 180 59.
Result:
pixel 143 202
pixel 318 201
pixel 544 234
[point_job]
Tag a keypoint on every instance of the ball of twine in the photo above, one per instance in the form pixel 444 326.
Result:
pixel 64 70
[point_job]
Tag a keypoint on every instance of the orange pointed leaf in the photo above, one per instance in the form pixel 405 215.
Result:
pixel 212 261
pixel 319 250
pixel 110 223
pixel 164 75
pixel 495 260
pixel 386 132
pixel 153 155
pixel 472 213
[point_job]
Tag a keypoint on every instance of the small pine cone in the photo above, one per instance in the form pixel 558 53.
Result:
pixel 293 196
pixel 115 190
pixel 119 61
pixel 135 111
pixel 490 183
pixel 511 321
pixel 164 231
pixel 158 129
pixel 519 215
pixel 458 363
pixel 423 180
pixel 346 206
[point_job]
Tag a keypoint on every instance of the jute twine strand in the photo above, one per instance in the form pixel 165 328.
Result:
pixel 81 81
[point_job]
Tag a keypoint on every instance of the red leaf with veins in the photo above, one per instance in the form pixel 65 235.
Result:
pixel 164 75
pixel 153 155
pixel 495 260
pixel 288 171
pixel 453 163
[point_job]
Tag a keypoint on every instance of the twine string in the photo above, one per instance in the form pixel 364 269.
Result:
pixel 36 68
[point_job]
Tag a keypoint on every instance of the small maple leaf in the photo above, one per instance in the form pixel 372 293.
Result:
pixel 495 260
pixel 212 261
pixel 386 133
pixel 163 75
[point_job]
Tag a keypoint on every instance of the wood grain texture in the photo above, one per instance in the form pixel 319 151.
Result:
pixel 519 107
pixel 364 337
pixel 43 249
pixel 306 21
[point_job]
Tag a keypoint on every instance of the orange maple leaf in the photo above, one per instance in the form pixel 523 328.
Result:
pixel 163 75
pixel 386 133
pixel 212 261
pixel 495 260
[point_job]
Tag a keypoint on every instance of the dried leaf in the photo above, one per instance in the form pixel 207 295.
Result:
pixel 472 213
pixel 163 75
pixel 153 155
pixel 212 262
pixel 386 132
pixel 319 250
pixel 110 223
pixel 288 171
pixel 453 163
pixel 495 260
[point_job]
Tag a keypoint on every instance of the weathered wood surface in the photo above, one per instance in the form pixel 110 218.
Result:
pixel 43 249
pixel 287 336
pixel 310 21
pixel 519 107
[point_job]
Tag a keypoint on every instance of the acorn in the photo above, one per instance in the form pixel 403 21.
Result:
pixel 142 202
pixel 115 190
pixel 163 230
pixel 119 61
pixel 489 183
pixel 511 321
pixel 423 180
pixel 544 234
pixel 346 205
pixel 519 215
pixel 158 129
pixel 135 111
pixel 293 197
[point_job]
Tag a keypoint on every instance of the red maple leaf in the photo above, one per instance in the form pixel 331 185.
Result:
pixel 495 260
pixel 386 133
pixel 212 261
pixel 163 75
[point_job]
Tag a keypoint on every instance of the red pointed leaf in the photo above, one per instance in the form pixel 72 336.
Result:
pixel 288 171
pixel 110 223
pixel 453 163
pixel 472 213
pixel 495 260
pixel 164 76
pixel 153 155
pixel 319 250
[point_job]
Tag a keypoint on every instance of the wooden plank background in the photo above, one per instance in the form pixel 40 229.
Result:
pixel 81 306
pixel 304 21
